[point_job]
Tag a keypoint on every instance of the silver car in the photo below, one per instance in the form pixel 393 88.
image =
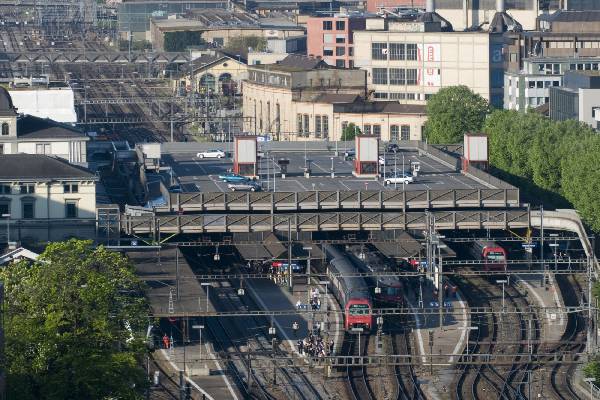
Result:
pixel 248 186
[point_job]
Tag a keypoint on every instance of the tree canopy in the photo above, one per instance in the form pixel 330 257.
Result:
pixel 180 40
pixel 452 112
pixel 240 44
pixel 558 158
pixel 74 324
pixel 350 131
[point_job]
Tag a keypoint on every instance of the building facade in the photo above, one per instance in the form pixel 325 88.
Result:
pixel 537 60
pixel 46 198
pixel 410 61
pixel 292 101
pixel 579 98
pixel 34 135
pixel 331 38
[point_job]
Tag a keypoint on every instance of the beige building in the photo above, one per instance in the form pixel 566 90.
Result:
pixel 34 135
pixel 302 98
pixel 46 198
pixel 409 60
pixel 219 26
pixel 215 71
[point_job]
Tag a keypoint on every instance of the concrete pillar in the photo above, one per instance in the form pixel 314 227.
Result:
pixel 430 6
pixel 500 6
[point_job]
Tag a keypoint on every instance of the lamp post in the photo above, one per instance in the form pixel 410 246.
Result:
pixel 199 327
pixel 307 248
pixel 468 329
pixel 591 382
pixel 7 216
pixel 208 285
pixel 503 282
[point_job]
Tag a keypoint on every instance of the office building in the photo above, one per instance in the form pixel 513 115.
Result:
pixel 578 98
pixel 331 38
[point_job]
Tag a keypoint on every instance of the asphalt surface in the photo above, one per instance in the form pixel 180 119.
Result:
pixel 197 174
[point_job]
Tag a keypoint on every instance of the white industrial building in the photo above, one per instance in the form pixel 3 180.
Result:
pixel 56 103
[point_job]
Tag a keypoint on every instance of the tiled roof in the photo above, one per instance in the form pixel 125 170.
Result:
pixel 37 166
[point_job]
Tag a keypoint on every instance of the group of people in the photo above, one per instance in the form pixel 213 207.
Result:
pixel 315 346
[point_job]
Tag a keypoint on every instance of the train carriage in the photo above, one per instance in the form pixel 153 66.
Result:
pixel 351 292
pixel 491 253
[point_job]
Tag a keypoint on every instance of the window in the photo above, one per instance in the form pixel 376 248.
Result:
pixel 340 39
pixel 411 76
pixel 531 84
pixel 325 127
pixel 380 95
pixel 5 129
pixel 4 207
pixel 328 51
pixel 71 188
pixel 71 209
pixel 405 132
pixel 5 189
pixel 350 62
pixel 397 51
pixel 28 208
pixel 351 51
pixel 397 76
pixel 299 124
pixel 411 51
pixel 410 96
pixel 327 25
pixel 27 189
pixel 306 128
pixel 340 25
pixel 555 83
pixel 379 51
pixel 340 63
pixel 1 149
pixel 377 130
pixel 340 51
pixel 42 148
pixel 394 133
pixel 397 96
pixel 317 126
pixel 367 129
pixel 380 76
pixel 539 84
pixel 344 126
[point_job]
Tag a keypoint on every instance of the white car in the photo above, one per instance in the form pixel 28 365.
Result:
pixel 381 161
pixel 401 178
pixel 211 154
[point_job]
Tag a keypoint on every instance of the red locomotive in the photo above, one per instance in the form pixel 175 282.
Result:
pixel 351 292
pixel 492 255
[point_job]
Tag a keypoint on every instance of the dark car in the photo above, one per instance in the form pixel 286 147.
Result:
pixel 392 148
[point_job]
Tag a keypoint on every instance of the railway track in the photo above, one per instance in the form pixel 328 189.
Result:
pixel 357 382
pixel 406 379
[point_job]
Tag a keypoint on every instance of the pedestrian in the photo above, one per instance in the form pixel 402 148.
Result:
pixel 166 341
pixel 298 305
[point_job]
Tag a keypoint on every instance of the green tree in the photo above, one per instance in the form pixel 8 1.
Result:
pixel 74 325
pixel 240 44
pixel 180 40
pixel 452 112
pixel 350 131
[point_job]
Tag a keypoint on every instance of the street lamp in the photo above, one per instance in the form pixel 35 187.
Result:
pixel 307 248
pixel 591 382
pixel 199 327
pixel 468 329
pixel 208 285
pixel 503 282
pixel 7 216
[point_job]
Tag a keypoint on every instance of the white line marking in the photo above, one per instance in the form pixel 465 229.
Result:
pixel 298 182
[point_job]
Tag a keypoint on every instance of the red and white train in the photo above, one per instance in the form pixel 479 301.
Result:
pixel 351 292
pixel 492 255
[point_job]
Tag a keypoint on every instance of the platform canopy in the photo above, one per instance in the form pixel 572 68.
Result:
pixel 404 246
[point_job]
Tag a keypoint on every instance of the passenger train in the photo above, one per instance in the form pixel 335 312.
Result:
pixel 351 292
pixel 491 253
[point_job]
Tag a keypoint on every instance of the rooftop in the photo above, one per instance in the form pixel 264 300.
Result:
pixel 40 167
pixel 571 16
pixel 6 105
pixel 296 63
pixel 30 127
pixel 384 107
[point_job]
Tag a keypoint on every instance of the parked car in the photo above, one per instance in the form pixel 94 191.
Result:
pixel 211 154
pixel 175 189
pixel 349 154
pixel 392 148
pixel 402 178
pixel 231 177
pixel 247 186
pixel 381 160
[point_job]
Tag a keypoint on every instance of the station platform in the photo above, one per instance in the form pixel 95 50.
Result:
pixel 206 378
pixel 273 297
pixel 167 295
pixel 430 338
pixel 553 323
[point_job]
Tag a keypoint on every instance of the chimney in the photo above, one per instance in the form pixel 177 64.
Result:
pixel 500 7
pixel 430 6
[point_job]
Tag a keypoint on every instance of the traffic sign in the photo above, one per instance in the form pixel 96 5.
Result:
pixel 528 245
